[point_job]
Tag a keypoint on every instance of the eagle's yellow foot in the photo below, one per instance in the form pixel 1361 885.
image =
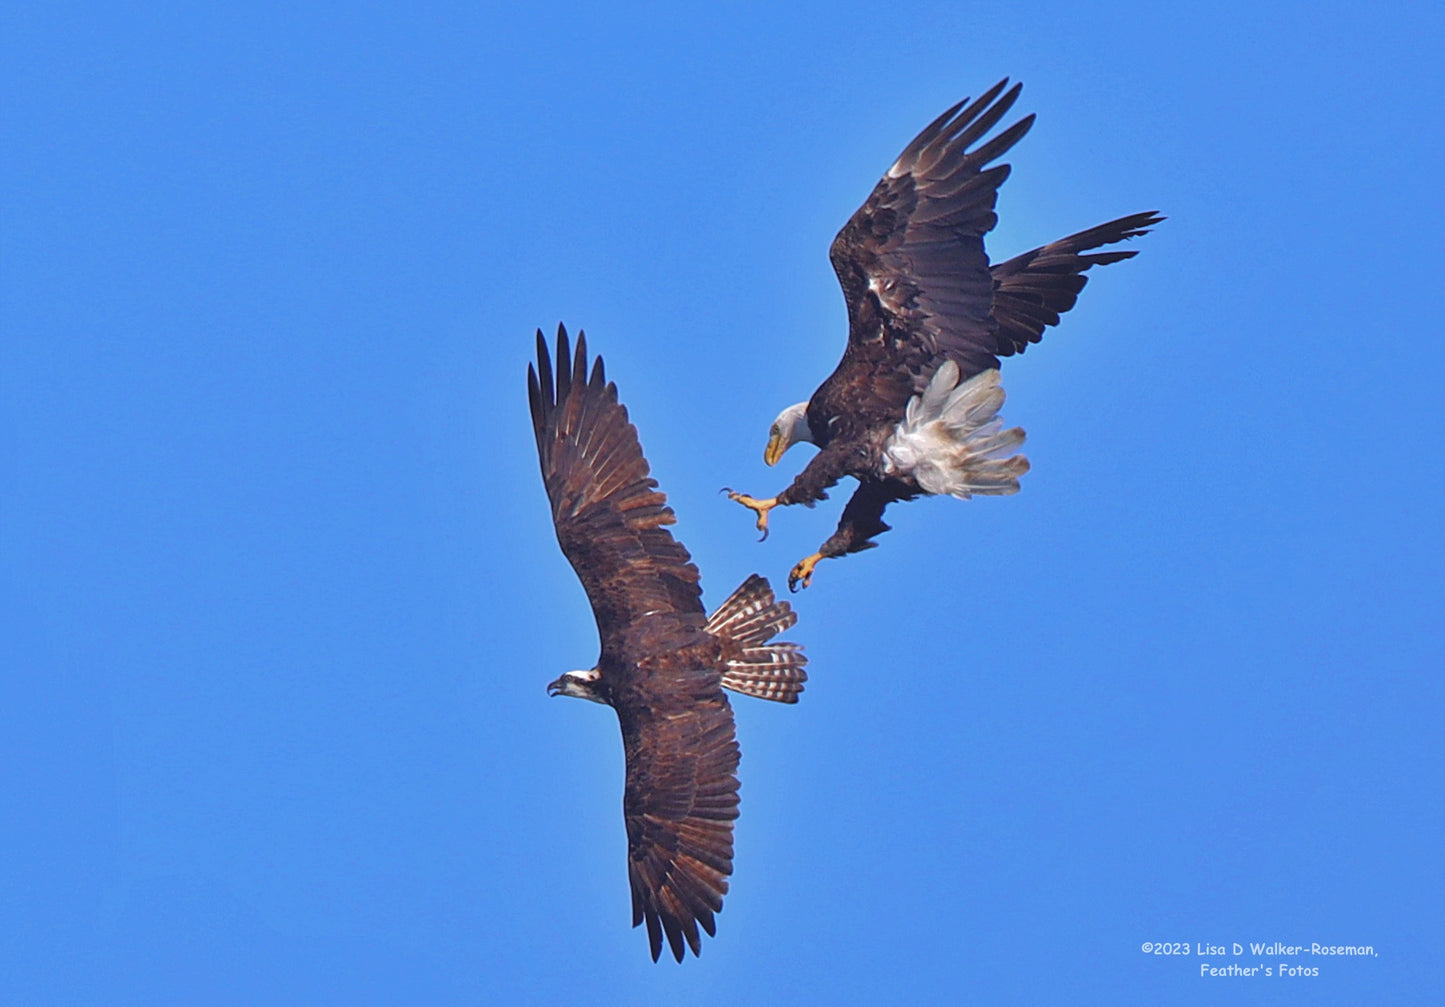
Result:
pixel 760 506
pixel 802 574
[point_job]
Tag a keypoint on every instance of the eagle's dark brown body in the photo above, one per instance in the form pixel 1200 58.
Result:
pixel 664 662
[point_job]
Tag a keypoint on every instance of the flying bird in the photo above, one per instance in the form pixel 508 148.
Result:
pixel 664 662
pixel 912 408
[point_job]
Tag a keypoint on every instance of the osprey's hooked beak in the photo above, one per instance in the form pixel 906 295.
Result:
pixel 581 684
pixel 777 444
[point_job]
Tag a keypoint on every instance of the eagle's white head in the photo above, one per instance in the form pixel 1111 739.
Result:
pixel 789 428
pixel 581 684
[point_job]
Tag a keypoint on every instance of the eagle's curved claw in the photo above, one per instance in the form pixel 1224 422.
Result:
pixel 761 507
pixel 802 574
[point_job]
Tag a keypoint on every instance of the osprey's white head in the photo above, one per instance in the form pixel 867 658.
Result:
pixel 789 428
pixel 581 684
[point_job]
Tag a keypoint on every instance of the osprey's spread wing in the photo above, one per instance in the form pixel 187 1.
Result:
pixel 911 261
pixel 680 803
pixel 608 512
pixel 662 672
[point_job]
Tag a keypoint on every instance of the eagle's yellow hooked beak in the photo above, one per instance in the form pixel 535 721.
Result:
pixel 775 448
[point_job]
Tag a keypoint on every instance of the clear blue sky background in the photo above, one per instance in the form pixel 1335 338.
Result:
pixel 279 595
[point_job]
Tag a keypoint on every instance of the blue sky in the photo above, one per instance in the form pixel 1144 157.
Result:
pixel 279 595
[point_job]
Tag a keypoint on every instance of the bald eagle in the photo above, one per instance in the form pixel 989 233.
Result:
pixel 912 408
pixel 664 661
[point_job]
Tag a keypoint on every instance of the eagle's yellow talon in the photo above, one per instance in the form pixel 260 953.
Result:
pixel 802 574
pixel 761 507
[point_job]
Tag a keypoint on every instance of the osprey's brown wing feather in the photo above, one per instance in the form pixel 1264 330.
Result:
pixel 680 802
pixel 663 671
pixel 609 515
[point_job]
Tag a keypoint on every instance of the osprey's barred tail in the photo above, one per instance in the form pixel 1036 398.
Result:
pixel 750 618
pixel 952 439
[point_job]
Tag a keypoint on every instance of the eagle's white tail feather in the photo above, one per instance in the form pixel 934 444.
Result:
pixel 751 617
pixel 952 439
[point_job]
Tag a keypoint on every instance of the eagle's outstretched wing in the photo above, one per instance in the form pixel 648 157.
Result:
pixel 680 803
pixel 1031 291
pixel 607 510
pixel 911 261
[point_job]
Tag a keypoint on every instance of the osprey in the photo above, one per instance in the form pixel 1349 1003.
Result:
pixel 912 409
pixel 664 661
